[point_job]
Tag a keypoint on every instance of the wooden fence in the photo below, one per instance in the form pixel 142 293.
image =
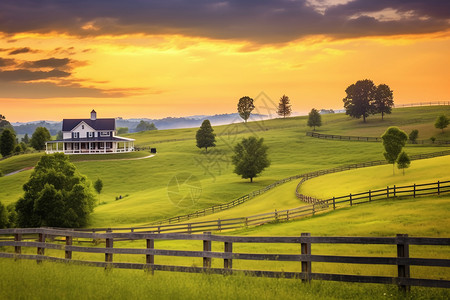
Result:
pixel 43 239
pixel 431 103
pixel 242 199
pixel 315 207
pixel 367 138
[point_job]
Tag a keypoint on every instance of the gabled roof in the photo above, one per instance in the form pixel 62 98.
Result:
pixel 98 124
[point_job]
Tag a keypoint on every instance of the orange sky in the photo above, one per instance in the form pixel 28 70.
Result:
pixel 176 74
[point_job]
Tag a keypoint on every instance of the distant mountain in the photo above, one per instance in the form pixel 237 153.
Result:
pixel 165 123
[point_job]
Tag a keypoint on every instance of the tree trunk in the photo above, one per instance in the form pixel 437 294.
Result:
pixel 364 118
pixel 393 169
pixel 206 149
pixel 251 179
pixel 382 115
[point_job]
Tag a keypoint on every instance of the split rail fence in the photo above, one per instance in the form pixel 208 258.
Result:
pixel 366 138
pixel 43 239
pixel 317 206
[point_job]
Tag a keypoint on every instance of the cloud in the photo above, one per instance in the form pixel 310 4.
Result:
pixel 48 63
pixel 260 21
pixel 20 50
pixel 4 62
pixel 27 75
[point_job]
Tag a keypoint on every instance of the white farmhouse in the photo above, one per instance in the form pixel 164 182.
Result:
pixel 90 136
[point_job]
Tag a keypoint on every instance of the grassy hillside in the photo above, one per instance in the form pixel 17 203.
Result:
pixel 143 183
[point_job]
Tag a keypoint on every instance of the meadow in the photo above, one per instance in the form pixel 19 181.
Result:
pixel 143 187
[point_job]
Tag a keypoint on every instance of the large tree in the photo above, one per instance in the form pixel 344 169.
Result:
pixel 284 107
pixel 39 137
pixel 205 136
pixel 314 119
pixel 250 157
pixel 245 107
pixel 56 195
pixel 384 100
pixel 7 142
pixel 441 122
pixel 394 140
pixel 360 98
pixel 4 124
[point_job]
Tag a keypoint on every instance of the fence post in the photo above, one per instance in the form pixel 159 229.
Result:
pixel 228 262
pixel 276 215
pixel 41 250
pixel 334 203
pixel 370 196
pixel 246 222
pixel 189 229
pixel 150 258
pixel 17 238
pixel 306 265
pixel 394 190
pixel 219 225
pixel 403 269
pixel 207 247
pixel 314 209
pixel 414 191
pixel 287 215
pixel 438 188
pixel 68 253
pixel 387 192
pixel 109 244
pixel 351 203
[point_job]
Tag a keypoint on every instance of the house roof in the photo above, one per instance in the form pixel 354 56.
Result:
pixel 98 124
pixel 93 140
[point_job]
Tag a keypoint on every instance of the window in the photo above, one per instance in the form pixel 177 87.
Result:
pixel 82 126
pixel 75 135
pixel 104 133
pixel 91 134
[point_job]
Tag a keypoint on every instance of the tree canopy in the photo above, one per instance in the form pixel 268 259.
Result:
pixel 205 136
pixel 384 100
pixel 5 124
pixel 413 136
pixel 7 142
pixel 56 195
pixel 245 107
pixel 250 157
pixel 314 119
pixel 39 137
pixel 359 100
pixel 441 122
pixel 394 140
pixel 145 126
pixel 284 107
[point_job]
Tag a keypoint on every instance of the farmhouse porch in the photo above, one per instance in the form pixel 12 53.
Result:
pixel 90 146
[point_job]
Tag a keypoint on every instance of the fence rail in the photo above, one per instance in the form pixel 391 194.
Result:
pixel 367 138
pixel 431 103
pixel 42 239
pixel 315 207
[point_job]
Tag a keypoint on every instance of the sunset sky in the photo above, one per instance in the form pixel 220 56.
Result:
pixel 154 59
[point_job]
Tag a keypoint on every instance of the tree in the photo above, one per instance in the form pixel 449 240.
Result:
pixel 3 216
pixel 59 136
pixel 314 119
pixel 384 100
pixel 98 185
pixel 56 195
pixel 360 99
pixel 205 136
pixel 394 140
pixel 403 161
pixel 245 107
pixel 123 130
pixel 441 122
pixel 4 124
pixel 7 142
pixel 284 107
pixel 145 126
pixel 413 136
pixel 26 139
pixel 250 157
pixel 39 137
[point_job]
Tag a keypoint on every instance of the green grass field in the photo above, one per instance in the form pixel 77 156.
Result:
pixel 143 187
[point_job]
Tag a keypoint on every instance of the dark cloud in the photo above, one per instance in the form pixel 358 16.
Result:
pixel 48 63
pixel 43 90
pixel 20 50
pixel 263 21
pixel 4 62
pixel 27 75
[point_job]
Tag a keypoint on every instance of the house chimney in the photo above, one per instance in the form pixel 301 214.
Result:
pixel 93 115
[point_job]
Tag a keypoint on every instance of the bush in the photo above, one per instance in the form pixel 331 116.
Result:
pixel 413 136
pixel 98 185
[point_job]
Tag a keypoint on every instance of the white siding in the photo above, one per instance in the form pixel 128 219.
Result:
pixel 82 131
